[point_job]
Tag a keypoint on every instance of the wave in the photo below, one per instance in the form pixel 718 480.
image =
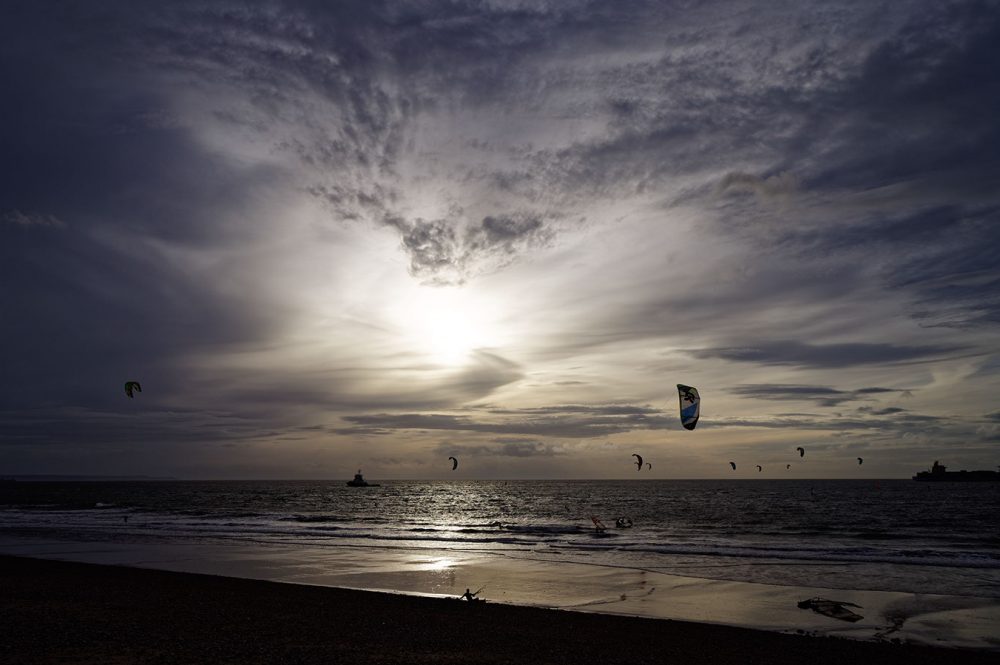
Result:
pixel 557 539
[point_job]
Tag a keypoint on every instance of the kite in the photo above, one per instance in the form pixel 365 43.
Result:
pixel 690 405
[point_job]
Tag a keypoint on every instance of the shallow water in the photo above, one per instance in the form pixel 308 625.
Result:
pixel 891 535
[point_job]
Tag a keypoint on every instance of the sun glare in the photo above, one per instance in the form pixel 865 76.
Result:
pixel 441 564
pixel 447 324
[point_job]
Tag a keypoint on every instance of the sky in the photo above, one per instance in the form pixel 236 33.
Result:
pixel 332 235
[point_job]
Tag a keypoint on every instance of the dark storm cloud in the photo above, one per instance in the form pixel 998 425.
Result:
pixel 789 352
pixel 821 395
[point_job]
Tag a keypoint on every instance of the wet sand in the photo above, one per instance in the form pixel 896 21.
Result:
pixel 58 611
pixel 520 579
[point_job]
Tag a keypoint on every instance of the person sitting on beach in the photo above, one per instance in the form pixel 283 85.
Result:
pixel 469 596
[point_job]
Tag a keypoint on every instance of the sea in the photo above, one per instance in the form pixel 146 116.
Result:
pixel 886 535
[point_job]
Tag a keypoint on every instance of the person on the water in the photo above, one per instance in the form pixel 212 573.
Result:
pixel 469 596
pixel 599 527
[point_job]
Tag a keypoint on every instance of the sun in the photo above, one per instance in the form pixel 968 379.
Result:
pixel 444 323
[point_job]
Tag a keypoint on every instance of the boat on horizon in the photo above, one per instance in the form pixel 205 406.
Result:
pixel 939 473
pixel 359 481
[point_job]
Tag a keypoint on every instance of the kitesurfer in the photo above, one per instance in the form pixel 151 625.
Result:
pixel 469 596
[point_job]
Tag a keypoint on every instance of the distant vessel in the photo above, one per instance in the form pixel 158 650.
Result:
pixel 359 481
pixel 938 473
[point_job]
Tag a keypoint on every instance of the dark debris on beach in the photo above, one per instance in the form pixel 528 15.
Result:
pixel 65 612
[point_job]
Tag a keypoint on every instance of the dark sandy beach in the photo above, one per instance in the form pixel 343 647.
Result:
pixel 63 612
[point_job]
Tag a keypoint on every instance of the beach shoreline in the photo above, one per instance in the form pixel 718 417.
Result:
pixel 523 579
pixel 87 613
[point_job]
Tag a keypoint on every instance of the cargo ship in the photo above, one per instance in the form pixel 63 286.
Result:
pixel 939 473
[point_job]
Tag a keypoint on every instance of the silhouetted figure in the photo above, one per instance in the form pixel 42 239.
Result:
pixel 469 596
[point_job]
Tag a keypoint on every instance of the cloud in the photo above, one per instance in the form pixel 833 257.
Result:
pixel 571 422
pixel 504 448
pixel 909 424
pixel 892 160
pixel 775 187
pixel 888 411
pixel 447 251
pixel 821 395
pixel 803 354
pixel 246 188
pixel 18 218
pixel 88 429
pixel 599 410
